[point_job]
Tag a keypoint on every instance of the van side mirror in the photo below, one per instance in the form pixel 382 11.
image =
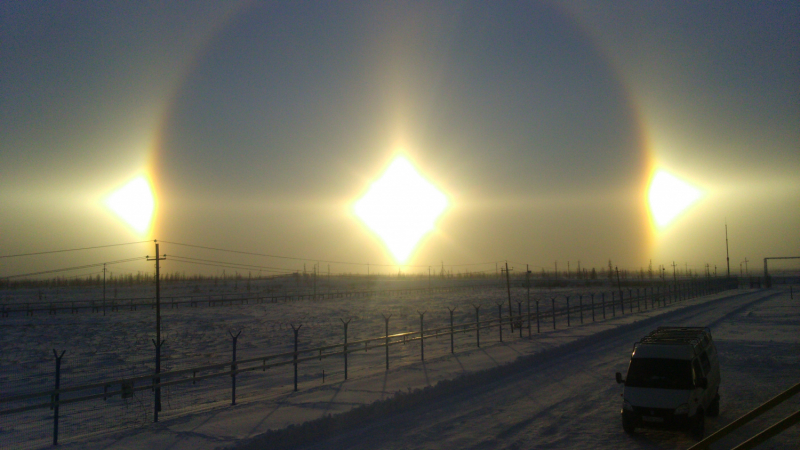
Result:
pixel 701 382
pixel 620 380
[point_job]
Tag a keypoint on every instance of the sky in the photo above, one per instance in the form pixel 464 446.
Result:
pixel 257 126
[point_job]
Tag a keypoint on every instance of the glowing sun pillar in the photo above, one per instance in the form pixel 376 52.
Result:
pixel 401 207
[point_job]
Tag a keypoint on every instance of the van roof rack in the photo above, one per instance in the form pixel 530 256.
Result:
pixel 676 335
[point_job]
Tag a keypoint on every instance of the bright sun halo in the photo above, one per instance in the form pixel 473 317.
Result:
pixel 401 208
pixel 134 203
pixel 668 196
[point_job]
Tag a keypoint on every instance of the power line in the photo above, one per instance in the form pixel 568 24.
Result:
pixel 315 259
pixel 228 251
pixel 231 265
pixel 67 269
pixel 72 249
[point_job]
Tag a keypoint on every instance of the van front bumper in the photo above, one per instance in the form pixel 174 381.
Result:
pixel 655 418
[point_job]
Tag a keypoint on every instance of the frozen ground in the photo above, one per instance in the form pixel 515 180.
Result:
pixel 567 401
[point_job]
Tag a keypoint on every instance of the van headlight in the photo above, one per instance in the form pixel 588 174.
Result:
pixel 627 406
pixel 682 410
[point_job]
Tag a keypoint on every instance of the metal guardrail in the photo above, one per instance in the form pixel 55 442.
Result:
pixel 741 421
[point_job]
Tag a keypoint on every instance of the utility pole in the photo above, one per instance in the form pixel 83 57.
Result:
pixel 674 275
pixel 619 288
pixel 157 342
pixel 528 296
pixel 508 288
pixel 746 272
pixel 104 289
pixel 727 255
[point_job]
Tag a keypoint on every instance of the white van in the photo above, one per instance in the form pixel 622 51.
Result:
pixel 673 381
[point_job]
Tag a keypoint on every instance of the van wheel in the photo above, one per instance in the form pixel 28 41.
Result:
pixel 628 425
pixel 713 408
pixel 698 426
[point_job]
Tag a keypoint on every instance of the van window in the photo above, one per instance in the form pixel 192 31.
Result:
pixel 659 373
pixel 705 362
pixel 696 369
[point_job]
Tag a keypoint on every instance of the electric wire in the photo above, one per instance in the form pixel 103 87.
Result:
pixel 232 265
pixel 85 266
pixel 72 249
pixel 319 260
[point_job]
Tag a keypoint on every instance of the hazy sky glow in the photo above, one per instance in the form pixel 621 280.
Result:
pixel 258 125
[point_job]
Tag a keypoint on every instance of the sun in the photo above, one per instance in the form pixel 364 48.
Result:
pixel 401 207
pixel 134 203
pixel 668 196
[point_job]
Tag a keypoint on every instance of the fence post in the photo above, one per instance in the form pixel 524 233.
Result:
pixel 452 332
pixel 613 305
pixel 478 323
pixel 56 396
pixel 553 299
pixel 568 321
pixel 500 319
pixel 529 317
pixel 296 332
pixel 421 335
pixel 519 314
pixel 345 344
pixel 603 301
pixel 386 320
pixel 233 368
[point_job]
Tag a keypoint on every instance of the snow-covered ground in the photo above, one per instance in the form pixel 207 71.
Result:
pixel 568 400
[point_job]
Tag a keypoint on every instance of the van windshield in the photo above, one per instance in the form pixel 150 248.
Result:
pixel 660 373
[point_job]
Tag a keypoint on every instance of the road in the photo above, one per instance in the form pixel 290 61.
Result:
pixel 571 400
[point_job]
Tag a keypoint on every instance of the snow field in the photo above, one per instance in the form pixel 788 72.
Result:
pixel 569 399
pixel 275 384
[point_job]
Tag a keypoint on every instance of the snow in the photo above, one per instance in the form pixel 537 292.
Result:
pixel 556 390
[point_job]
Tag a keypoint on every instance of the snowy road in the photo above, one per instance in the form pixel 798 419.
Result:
pixel 572 401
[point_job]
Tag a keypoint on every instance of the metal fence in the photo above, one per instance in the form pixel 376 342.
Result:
pixel 65 404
